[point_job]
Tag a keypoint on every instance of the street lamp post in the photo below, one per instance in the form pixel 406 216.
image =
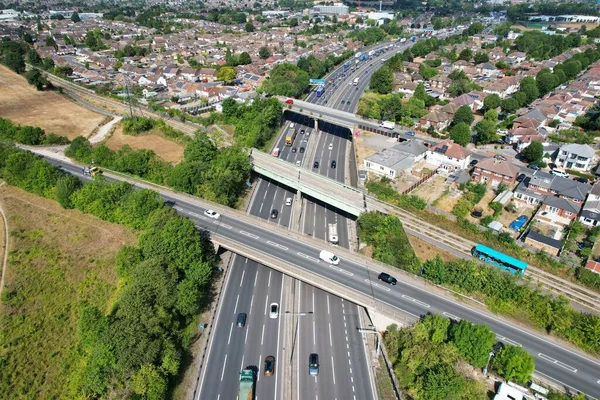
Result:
pixel 485 370
pixel 375 331
pixel 300 314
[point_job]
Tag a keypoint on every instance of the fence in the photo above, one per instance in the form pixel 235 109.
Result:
pixel 384 132
pixel 420 181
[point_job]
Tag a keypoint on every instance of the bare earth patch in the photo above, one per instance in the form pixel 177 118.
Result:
pixel 59 261
pixel 426 251
pixel 432 189
pixel 164 148
pixel 22 103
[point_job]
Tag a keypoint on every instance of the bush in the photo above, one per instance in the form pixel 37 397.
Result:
pixel 137 125
pixel 28 135
pixel 385 192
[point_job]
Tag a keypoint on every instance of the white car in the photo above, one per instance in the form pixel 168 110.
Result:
pixel 288 201
pixel 329 257
pixel 559 172
pixel 298 163
pixel 274 313
pixel 330 146
pixel 212 214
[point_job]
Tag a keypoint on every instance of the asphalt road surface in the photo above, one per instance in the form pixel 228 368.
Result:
pixel 557 362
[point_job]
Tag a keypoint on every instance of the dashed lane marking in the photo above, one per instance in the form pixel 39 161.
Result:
pixel 416 301
pixel 277 245
pixel 308 257
pixel 253 236
pixel 559 363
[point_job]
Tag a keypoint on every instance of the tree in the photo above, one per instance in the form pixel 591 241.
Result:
pixel 75 17
pixel 534 152
pixel 249 27
pixel 463 114
pixel 34 58
pixel 382 80
pixel 510 105
pixel 244 59
pixel 514 364
pixel 466 55
pixel 14 61
pixel 546 82
pixel 65 187
pixel 492 101
pixel 50 41
pixel 461 133
pixel 492 115
pixel 474 342
pixel 264 52
pixel 293 22
pixel 227 74
pixel 286 80
pixel 486 131
pixel 481 58
pixel 35 78
pixel 474 28
pixel 529 87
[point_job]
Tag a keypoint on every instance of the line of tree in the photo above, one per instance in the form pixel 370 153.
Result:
pixel 134 349
pixel 29 135
pixel 432 357
pixel 541 46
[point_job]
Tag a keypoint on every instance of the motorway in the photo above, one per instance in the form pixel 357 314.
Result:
pixel 559 363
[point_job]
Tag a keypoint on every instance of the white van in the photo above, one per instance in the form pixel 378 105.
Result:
pixel 329 257
pixel 559 172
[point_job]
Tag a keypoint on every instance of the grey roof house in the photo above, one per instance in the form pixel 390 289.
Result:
pixel 395 160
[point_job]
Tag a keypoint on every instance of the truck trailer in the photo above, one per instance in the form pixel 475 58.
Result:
pixel 332 233
pixel 246 391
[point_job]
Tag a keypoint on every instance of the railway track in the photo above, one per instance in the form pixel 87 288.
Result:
pixel 576 293
pixel 187 128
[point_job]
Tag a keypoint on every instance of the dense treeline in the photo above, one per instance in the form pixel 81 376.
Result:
pixel 255 123
pixel 541 46
pixel 214 174
pixel 389 241
pixel 28 135
pixel 134 349
pixel 430 358
pixel 504 294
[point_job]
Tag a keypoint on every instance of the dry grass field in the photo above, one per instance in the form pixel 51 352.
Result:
pixel 23 104
pixel 59 260
pixel 426 251
pixel 164 148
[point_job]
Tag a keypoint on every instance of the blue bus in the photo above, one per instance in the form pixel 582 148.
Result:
pixel 499 260
pixel 320 90
pixel 347 65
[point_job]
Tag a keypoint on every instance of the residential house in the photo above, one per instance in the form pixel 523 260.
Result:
pixel 472 99
pixel 541 242
pixel 578 157
pixel 448 156
pixel 407 88
pixel 436 118
pixel 593 266
pixel 532 191
pixel 558 211
pixel 590 214
pixel 503 87
pixel 396 160
pixel 493 171
pixel 487 69
pixel 207 74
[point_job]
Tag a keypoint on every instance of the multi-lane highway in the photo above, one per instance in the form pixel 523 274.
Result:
pixel 560 363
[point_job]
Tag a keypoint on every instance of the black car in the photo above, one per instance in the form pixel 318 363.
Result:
pixel 294 149
pixel 521 177
pixel 170 203
pixel 274 213
pixel 473 163
pixel 301 149
pixel 333 164
pixel 316 164
pixel 343 102
pixel 387 278
pixel 533 167
pixel 241 320
pixel 580 179
pixel 476 214
pixel 302 131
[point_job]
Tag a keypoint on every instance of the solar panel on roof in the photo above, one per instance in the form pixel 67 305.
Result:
pixel 255 78
pixel 247 76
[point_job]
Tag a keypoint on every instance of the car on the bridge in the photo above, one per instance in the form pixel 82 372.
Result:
pixel 269 366
pixel 289 101
pixel 274 213
pixel 212 214
pixel 330 147
pixel 329 257
pixel 387 278
pixel 274 313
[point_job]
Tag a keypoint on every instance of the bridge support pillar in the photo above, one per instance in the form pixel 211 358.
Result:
pixel 316 124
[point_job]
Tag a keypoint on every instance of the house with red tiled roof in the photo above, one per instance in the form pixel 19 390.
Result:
pixel 593 266
pixel 493 171
pixel 448 156
pixel 438 119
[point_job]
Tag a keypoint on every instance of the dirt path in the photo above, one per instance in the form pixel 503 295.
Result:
pixel 4 246
pixel 104 130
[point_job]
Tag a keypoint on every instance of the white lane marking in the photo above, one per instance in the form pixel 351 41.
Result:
pixel 258 366
pixel 452 316
pixel 416 301
pixel 266 304
pixel 230 330
pixel 222 224
pixel 255 278
pixel 378 285
pixel 243 273
pixel 555 361
pixel 236 303
pixel 330 338
pixel 193 214
pixel 269 283
pixel 253 236
pixel 308 257
pixel 507 340
pixel 246 339
pixel 262 336
pixel 178 208
pixel 251 302
pixel 343 271
pixel 564 384
pixel 328 311
pixel 333 369
pixel 242 366
pixel 314 334
pixel 277 245
pixel 223 371
pixel 278 336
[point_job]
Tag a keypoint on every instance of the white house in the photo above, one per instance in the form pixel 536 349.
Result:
pixel 395 160
pixel 590 214
pixel 448 156
pixel 575 156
